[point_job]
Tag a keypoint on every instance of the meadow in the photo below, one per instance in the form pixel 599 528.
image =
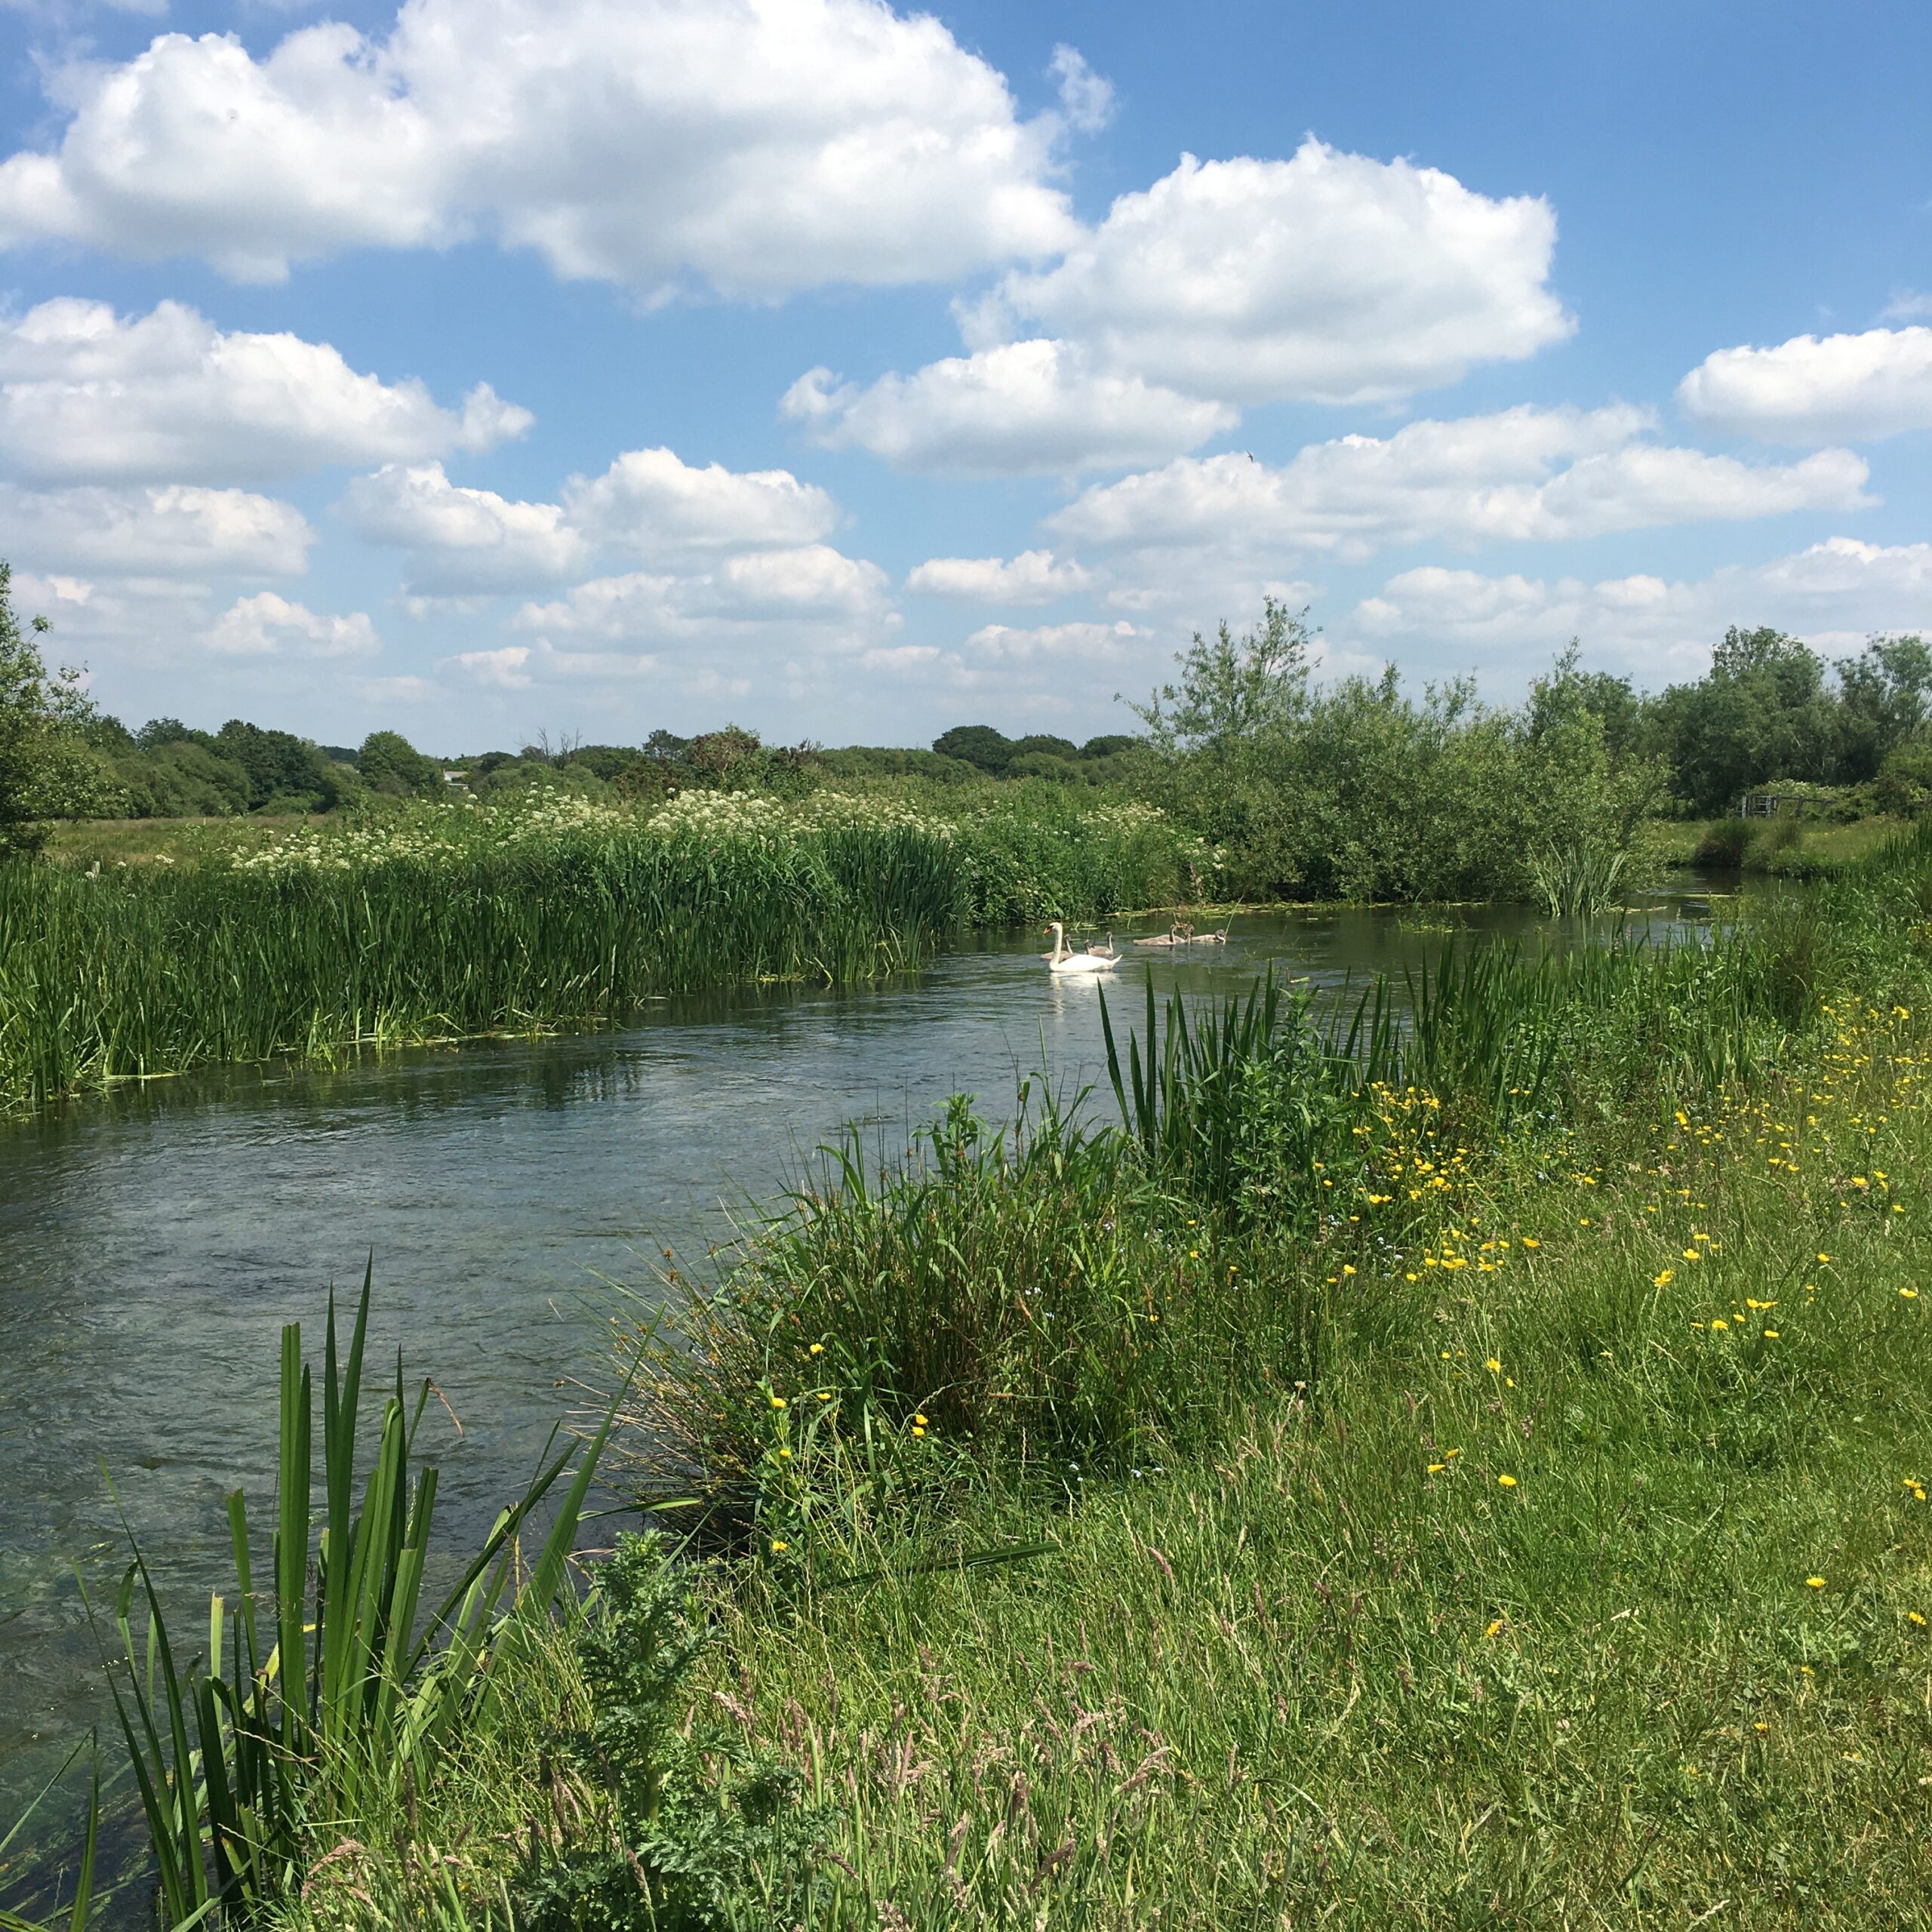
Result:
pixel 1472 1473
pixel 443 922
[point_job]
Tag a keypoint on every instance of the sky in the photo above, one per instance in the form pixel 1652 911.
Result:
pixel 492 367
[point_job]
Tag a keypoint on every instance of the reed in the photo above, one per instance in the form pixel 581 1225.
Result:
pixel 451 924
pixel 336 1692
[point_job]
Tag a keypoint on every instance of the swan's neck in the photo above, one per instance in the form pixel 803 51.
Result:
pixel 1059 943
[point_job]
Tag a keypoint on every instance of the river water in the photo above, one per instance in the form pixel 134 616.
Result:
pixel 152 1244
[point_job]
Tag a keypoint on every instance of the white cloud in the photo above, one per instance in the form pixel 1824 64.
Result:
pixel 1834 591
pixel 1085 99
pixel 813 585
pixel 180 530
pixel 1034 577
pixel 1326 277
pixel 1025 406
pixel 1053 641
pixel 87 396
pixel 1908 305
pixel 504 669
pixel 406 689
pixel 756 146
pixel 462 541
pixel 266 626
pixel 1524 474
pixel 653 504
pixel 1838 388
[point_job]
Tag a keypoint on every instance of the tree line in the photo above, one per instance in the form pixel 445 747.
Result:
pixel 1244 746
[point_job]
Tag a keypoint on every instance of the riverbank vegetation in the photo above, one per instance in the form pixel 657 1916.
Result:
pixel 566 887
pixel 1471 1472
pixel 452 923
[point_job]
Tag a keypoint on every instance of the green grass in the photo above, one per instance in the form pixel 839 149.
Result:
pixel 1296 1652
pixel 1787 848
pixel 1361 1495
pixel 448 924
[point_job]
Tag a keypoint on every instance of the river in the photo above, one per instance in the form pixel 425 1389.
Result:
pixel 152 1243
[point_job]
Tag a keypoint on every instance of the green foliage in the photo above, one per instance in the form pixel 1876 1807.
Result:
pixel 977 745
pixel 697 1834
pixel 1356 792
pixel 389 764
pixel 47 767
pixel 331 1700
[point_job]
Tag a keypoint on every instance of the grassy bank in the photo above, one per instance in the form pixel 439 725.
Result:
pixel 1468 1474
pixel 1773 848
pixel 443 923
pixel 1412 1501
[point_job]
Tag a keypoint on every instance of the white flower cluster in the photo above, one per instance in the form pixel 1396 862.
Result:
pixel 349 849
pixel 718 817
pixel 1123 821
pixel 544 815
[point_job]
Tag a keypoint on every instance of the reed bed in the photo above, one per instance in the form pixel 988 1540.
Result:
pixel 452 923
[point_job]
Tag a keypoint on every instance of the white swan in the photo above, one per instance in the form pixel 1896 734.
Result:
pixel 1062 960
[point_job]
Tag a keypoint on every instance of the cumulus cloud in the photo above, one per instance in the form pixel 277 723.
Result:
pixel 1052 640
pixel 1085 99
pixel 460 541
pixel 1834 592
pixel 463 543
pixel 1034 577
pixel 1523 474
pixel 89 395
pixel 1036 406
pixel 652 504
pixel 1326 278
pixel 179 530
pixel 813 587
pixel 504 669
pixel 269 626
pixel 756 146
pixel 1814 389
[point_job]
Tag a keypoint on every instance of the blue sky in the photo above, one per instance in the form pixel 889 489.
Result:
pixel 591 366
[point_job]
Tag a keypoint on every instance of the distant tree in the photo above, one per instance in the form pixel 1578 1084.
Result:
pixel 285 772
pixel 1885 698
pixel 1234 693
pixel 1044 744
pixel 391 764
pixel 1109 746
pixel 721 755
pixel 978 745
pixel 1761 713
pixel 47 769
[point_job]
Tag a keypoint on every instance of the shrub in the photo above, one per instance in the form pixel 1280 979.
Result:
pixel 692 1833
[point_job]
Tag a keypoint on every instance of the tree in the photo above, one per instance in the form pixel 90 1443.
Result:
pixel 390 764
pixel 1762 713
pixel 1234 693
pixel 1884 697
pixel 285 772
pixel 47 770
pixel 977 745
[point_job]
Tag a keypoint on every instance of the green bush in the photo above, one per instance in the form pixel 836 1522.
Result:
pixel 695 1833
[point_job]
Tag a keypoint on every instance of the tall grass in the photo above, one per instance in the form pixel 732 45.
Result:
pixel 453 924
